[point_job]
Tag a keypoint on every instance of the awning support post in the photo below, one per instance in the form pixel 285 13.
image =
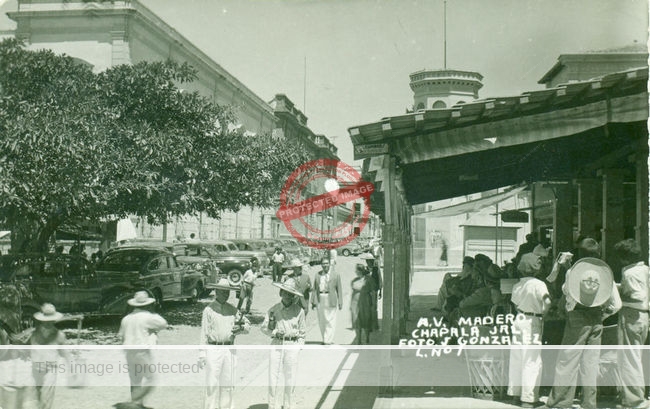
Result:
pixel 613 212
pixel 641 228
pixel 563 219
pixel 388 294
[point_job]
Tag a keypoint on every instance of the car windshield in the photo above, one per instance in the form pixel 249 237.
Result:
pixel 254 245
pixel 232 247
pixel 127 260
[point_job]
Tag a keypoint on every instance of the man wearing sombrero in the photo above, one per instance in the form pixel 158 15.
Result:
pixel 591 296
pixel 44 360
pixel 220 323
pixel 303 283
pixel 141 327
pixel 285 324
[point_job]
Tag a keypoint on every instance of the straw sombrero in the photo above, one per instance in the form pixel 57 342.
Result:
pixel 223 284
pixel 367 256
pixel 589 282
pixel 289 285
pixel 140 299
pixel 48 313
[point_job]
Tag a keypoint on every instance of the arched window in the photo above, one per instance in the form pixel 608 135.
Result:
pixel 460 102
pixel 439 104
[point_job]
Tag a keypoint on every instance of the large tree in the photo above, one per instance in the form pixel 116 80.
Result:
pixel 84 146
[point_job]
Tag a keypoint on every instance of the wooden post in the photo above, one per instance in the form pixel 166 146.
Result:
pixel 589 207
pixel 563 218
pixel 389 252
pixel 613 213
pixel 641 228
pixel 386 369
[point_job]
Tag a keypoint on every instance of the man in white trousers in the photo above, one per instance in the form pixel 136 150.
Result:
pixel 327 297
pixel 532 299
pixel 285 324
pixel 219 325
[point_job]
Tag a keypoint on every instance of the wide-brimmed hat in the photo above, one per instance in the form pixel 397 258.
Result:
pixel 296 263
pixel 140 299
pixel 529 263
pixel 540 251
pixel 367 256
pixel 290 286
pixel 589 281
pixel 48 313
pixel 223 284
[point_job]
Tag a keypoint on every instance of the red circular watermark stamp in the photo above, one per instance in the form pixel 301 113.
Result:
pixel 325 203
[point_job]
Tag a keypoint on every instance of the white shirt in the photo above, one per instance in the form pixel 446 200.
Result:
pixel 278 258
pixel 528 295
pixel 249 276
pixel 141 328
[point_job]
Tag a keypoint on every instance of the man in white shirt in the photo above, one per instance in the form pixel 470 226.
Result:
pixel 247 285
pixel 220 323
pixel 586 281
pixel 277 259
pixel 532 300
pixel 632 323
pixel 141 328
pixel 326 298
pixel 285 324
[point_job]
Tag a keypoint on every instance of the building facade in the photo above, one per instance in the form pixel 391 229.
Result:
pixel 108 33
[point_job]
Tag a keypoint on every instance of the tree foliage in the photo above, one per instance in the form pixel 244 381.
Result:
pixel 85 146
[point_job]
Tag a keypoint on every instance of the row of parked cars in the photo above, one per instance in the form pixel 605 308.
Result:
pixel 168 271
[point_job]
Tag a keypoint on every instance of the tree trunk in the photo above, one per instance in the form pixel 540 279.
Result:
pixel 42 242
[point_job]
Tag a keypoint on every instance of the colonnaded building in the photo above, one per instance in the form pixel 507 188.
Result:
pixel 109 33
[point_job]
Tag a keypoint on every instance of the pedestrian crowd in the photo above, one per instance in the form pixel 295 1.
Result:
pixel 221 322
pixel 577 287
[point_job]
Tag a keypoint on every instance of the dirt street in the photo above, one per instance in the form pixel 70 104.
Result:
pixel 252 364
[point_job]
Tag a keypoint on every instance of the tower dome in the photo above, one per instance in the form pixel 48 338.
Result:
pixel 444 88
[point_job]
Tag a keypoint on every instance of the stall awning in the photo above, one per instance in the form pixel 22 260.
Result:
pixel 550 134
pixel 472 205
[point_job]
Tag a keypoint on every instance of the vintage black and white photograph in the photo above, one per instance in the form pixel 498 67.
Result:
pixel 324 204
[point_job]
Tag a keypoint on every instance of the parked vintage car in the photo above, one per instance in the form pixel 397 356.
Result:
pixel 69 282
pixel 231 262
pixel 350 249
pixel 293 247
pixel 256 250
pixel 154 269
pixel 211 273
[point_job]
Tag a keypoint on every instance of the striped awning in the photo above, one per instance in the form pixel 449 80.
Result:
pixel 472 205
pixel 494 123
pixel 522 130
pixel 550 134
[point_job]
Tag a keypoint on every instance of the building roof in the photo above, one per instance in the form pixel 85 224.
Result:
pixel 140 12
pixel 632 51
pixel 450 152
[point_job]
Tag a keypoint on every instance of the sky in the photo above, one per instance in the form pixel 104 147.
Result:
pixel 359 53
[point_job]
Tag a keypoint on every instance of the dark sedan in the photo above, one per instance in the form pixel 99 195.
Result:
pixel 153 269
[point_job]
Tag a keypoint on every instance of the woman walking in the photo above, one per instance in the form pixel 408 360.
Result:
pixel 363 305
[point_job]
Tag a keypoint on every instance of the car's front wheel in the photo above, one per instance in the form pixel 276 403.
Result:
pixel 234 277
pixel 345 252
pixel 196 293
pixel 157 294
